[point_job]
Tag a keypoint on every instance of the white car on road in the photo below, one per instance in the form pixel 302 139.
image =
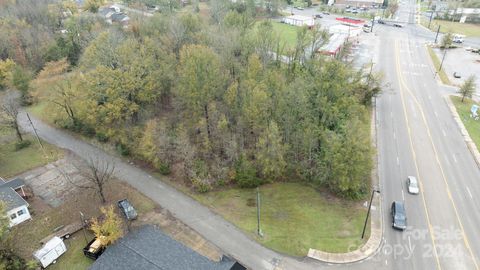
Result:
pixel 412 184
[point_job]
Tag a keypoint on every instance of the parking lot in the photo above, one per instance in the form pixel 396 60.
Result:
pixel 464 62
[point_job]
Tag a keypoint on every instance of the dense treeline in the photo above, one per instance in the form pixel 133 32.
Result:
pixel 211 101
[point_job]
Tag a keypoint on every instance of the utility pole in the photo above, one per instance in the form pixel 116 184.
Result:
pixel 259 231
pixel 430 21
pixel 438 31
pixel 368 212
pixel 443 58
pixel 82 219
pixel 36 134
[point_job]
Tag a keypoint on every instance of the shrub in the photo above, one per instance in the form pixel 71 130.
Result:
pixel 163 168
pixel 201 185
pixel 22 144
pixel 246 174
pixel 101 137
pixel 122 149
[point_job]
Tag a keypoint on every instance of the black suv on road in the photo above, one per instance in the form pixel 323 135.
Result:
pixel 399 217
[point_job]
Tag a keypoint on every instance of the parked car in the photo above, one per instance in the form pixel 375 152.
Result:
pixel 399 218
pixel 412 185
pixel 127 209
pixel 299 8
pixel 381 21
pixel 318 16
pixel 398 25
pixel 326 13
pixel 93 249
pixel 457 75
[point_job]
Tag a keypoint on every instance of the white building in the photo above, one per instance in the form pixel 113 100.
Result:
pixel 16 206
pixel 299 20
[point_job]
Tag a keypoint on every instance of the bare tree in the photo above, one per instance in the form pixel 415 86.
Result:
pixel 9 115
pixel 97 174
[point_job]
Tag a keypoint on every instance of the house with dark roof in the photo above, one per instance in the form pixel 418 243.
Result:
pixel 16 206
pixel 148 248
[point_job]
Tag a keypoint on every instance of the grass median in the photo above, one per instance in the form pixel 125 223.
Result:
pixel 436 64
pixel 472 125
pixel 293 217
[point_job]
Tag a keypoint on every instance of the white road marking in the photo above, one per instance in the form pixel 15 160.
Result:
pixel 391 114
pixel 386 263
pixel 444 134
pixel 394 137
pixel 454 158
pixel 398 161
pixel 429 97
pixel 469 193
pixel 409 243
pixel 403 195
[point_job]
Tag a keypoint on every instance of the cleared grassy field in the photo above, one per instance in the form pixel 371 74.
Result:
pixel 467 29
pixel 288 33
pixel 472 126
pixel 294 217
pixel 13 162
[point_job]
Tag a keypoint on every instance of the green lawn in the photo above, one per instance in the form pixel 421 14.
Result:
pixel 467 29
pixel 288 33
pixel 74 259
pixel 436 63
pixel 472 126
pixel 294 217
pixel 14 162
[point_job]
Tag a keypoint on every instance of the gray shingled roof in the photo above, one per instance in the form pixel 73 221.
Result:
pixel 15 183
pixel 150 249
pixel 11 198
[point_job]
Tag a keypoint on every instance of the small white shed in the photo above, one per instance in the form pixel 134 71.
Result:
pixel 49 253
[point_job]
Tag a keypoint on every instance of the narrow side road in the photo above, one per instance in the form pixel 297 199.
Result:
pixel 198 217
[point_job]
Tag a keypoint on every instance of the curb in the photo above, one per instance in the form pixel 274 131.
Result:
pixel 468 140
pixel 372 246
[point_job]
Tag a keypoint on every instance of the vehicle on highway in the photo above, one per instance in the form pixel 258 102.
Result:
pixel 127 209
pixel 398 25
pixel 399 217
pixel 457 75
pixel 412 185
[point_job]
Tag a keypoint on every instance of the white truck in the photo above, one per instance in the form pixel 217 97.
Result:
pixel 49 253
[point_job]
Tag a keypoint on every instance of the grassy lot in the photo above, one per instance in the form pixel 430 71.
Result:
pixel 472 126
pixel 288 33
pixel 74 258
pixel 14 162
pixel 294 217
pixel 467 29
pixel 436 63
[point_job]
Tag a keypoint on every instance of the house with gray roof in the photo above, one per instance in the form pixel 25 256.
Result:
pixel 16 206
pixel 148 248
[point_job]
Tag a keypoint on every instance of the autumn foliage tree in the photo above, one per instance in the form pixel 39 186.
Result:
pixel 108 229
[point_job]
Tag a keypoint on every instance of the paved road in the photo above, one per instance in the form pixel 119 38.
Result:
pixel 418 136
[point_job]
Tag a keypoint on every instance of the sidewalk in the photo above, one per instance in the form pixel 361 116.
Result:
pixel 468 140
